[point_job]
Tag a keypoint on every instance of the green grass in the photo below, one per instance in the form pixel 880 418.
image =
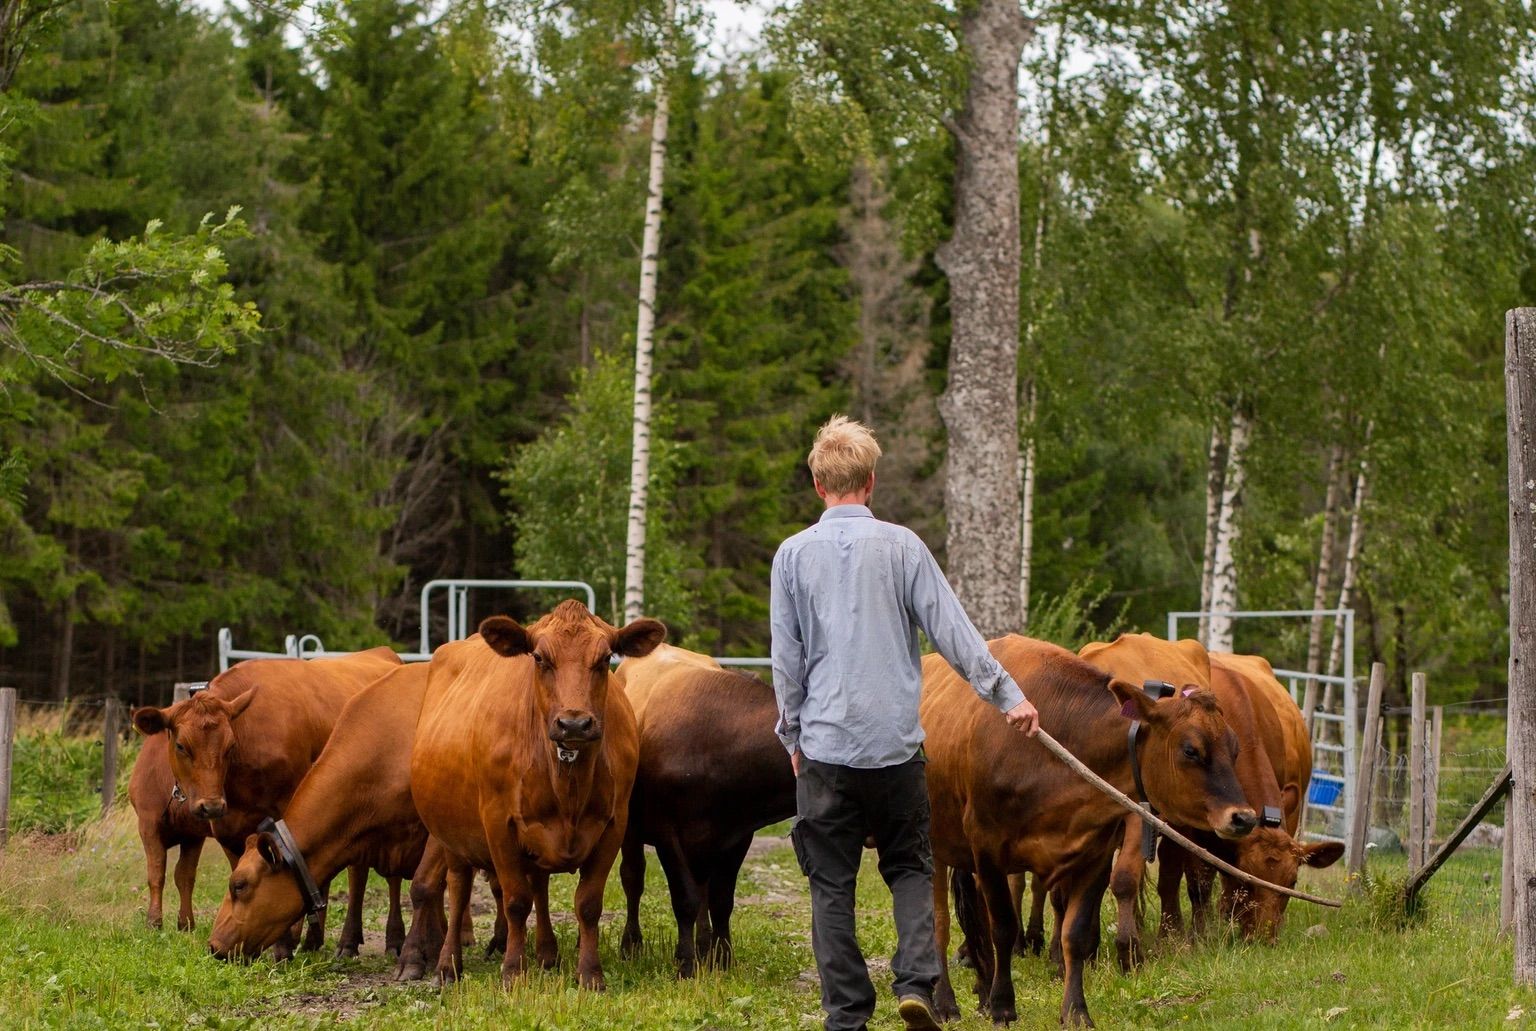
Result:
pixel 56 774
pixel 74 952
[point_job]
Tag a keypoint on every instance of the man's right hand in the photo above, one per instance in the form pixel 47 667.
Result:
pixel 794 761
pixel 1023 717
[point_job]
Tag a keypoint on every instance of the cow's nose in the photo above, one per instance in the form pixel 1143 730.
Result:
pixel 1244 820
pixel 576 726
pixel 210 810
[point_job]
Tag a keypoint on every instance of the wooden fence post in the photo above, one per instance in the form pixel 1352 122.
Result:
pixel 181 692
pixel 1416 753
pixel 1365 782
pixel 7 736
pixel 1432 776
pixel 111 732
pixel 1520 409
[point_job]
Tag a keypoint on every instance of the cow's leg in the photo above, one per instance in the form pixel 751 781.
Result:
pixel 944 992
pixel 314 932
pixel 497 946
pixel 1198 878
pixel 1125 882
pixel 1058 912
pixel 352 926
pixel 686 899
pixel 1170 873
pixel 187 857
pixel 460 881
pixel 703 928
pixel 394 924
pixel 971 914
pixel 1005 931
pixel 1082 898
pixel 154 862
pixel 545 949
pixel 429 923
pixel 1032 941
pixel 722 900
pixel 589 905
pixel 632 875
pixel 517 893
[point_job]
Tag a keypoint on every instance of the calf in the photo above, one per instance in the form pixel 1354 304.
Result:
pixel 165 823
pixel 711 772
pixel 524 762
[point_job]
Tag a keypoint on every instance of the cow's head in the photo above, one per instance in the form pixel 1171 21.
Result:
pixel 1186 753
pixel 201 735
pixel 571 649
pixel 263 900
pixel 1273 855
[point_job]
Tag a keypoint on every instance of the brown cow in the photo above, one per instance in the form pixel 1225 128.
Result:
pixel 524 761
pixel 1002 804
pixel 353 808
pixel 1184 665
pixel 164 824
pixel 1273 735
pixel 711 772
pixel 239 748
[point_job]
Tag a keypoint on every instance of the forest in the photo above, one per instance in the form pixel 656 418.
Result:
pixel 303 306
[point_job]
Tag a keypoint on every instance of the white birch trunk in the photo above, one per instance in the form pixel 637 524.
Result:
pixel 1215 475
pixel 1351 566
pixel 1224 564
pixel 645 325
pixel 1325 556
pixel 1027 506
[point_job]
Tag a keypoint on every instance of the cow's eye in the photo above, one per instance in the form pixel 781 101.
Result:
pixel 181 749
pixel 1191 753
pixel 236 887
pixel 601 664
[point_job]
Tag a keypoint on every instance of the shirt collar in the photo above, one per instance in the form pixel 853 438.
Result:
pixel 846 512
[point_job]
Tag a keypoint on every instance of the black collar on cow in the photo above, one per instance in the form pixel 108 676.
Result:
pixel 1270 816
pixel 1156 690
pixel 314 899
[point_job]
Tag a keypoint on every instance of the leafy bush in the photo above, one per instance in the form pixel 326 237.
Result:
pixel 56 776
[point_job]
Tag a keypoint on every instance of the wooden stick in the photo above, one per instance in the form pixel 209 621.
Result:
pixel 7 736
pixel 1057 749
pixel 1495 790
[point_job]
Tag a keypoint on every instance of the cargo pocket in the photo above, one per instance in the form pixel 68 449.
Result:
pixel 797 841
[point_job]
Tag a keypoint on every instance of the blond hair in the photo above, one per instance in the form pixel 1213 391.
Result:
pixel 843 456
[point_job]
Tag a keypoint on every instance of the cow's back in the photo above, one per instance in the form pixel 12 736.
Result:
pixel 639 676
pixel 1283 732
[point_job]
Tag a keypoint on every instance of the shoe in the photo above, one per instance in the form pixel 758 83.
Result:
pixel 917 1014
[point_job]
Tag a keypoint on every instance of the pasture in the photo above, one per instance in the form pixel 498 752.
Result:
pixel 74 952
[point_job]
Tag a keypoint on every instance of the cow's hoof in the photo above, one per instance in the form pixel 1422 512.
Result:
pixel 629 945
pixel 392 952
pixel 1032 944
pixel 281 953
pixel 945 1006
pixel 548 960
pixel 592 980
pixel 493 948
pixel 447 974
pixel 1077 1018
pixel 1003 1014
pixel 184 924
pixel 346 951
pixel 413 971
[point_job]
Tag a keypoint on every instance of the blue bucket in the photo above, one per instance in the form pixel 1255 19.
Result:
pixel 1325 788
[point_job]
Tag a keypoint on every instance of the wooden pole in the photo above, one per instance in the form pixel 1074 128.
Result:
pixel 111 733
pixel 1059 751
pixel 7 737
pixel 1520 409
pixel 1366 781
pixel 1432 775
pixel 1416 753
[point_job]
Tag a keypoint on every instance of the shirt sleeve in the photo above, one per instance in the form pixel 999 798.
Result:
pixel 933 605
pixel 788 651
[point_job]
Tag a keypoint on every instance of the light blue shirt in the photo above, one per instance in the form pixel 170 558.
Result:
pixel 848 597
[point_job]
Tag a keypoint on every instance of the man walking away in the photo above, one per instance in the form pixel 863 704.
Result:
pixel 849 595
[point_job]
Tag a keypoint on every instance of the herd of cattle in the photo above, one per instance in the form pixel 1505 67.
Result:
pixel 523 752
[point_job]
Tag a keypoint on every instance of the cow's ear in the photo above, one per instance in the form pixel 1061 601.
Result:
pixel 506 636
pixel 266 845
pixel 150 721
pixel 1134 703
pixel 1320 853
pixel 639 638
pixel 239 704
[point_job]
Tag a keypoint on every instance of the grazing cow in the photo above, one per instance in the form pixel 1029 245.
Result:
pixel 1003 805
pixel 1275 764
pixel 239 748
pixel 352 809
pixel 164 824
pixel 1185 666
pixel 524 762
pixel 711 772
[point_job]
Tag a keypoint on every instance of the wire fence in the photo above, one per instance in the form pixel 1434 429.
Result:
pixel 61 755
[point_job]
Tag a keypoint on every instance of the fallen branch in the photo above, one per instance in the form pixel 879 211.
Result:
pixel 1060 751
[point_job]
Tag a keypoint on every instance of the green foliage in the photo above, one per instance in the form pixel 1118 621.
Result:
pixel 569 490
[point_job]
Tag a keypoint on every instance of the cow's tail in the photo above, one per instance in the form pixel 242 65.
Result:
pixel 973 922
